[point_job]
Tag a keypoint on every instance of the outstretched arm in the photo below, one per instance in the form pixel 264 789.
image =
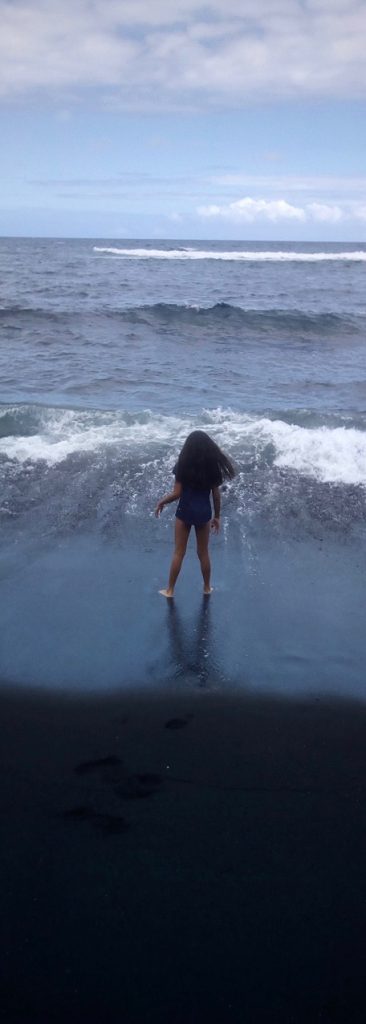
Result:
pixel 216 497
pixel 168 498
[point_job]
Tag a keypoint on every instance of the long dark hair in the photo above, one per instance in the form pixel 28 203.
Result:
pixel 201 464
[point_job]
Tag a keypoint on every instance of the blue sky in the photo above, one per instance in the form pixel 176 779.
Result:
pixel 174 119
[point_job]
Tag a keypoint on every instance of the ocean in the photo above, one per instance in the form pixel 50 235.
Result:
pixel 111 352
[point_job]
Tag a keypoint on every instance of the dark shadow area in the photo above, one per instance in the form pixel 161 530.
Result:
pixel 182 859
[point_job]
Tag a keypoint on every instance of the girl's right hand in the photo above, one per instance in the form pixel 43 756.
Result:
pixel 215 524
pixel 159 508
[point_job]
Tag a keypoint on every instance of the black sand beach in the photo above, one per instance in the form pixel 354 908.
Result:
pixel 182 859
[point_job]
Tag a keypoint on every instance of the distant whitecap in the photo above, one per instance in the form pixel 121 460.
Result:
pixel 244 256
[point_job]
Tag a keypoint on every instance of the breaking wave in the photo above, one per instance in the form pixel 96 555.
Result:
pixel 66 470
pixel 327 453
pixel 244 256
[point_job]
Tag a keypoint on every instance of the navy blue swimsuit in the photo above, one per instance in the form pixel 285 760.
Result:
pixel 194 507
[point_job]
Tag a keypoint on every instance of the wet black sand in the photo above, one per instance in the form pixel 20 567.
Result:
pixel 182 859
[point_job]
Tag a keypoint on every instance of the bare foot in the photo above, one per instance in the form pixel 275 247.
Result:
pixel 207 591
pixel 167 593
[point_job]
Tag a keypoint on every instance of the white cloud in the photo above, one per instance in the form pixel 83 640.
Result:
pixel 224 50
pixel 322 212
pixel 360 212
pixel 249 210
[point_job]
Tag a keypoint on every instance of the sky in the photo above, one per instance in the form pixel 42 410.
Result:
pixel 225 119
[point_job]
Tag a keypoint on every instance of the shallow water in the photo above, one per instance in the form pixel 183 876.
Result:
pixel 85 615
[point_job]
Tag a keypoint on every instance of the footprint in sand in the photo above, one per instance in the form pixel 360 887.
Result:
pixel 138 787
pixel 109 824
pixel 112 770
pixel 178 723
pixel 109 769
pixel 80 813
pixel 99 764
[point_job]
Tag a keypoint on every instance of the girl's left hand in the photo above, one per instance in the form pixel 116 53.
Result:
pixel 159 508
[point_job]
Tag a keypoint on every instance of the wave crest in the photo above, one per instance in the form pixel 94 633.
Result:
pixel 245 256
pixel 327 453
pixel 294 320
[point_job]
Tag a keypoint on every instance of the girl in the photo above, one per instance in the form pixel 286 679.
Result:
pixel 200 470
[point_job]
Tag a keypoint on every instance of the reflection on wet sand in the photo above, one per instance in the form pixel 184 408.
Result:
pixel 191 645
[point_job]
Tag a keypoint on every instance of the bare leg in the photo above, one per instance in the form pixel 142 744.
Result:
pixel 202 536
pixel 182 532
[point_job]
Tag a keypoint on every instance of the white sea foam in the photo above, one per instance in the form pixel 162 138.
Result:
pixel 327 454
pixel 64 432
pixel 335 455
pixel 237 256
